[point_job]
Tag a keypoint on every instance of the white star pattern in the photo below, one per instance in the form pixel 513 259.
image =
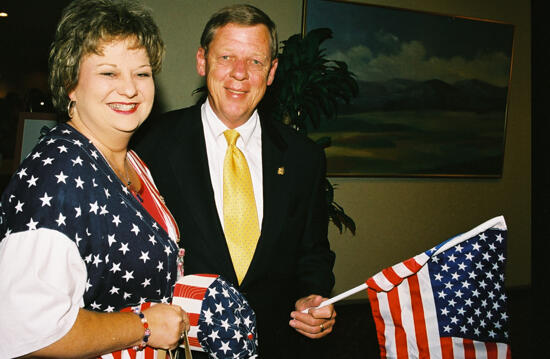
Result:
pixel 97 260
pixel 61 219
pixel 124 248
pixel 32 181
pixel 19 207
pixel 228 325
pixel 214 335
pixel 77 161
pixel 32 224
pixel 135 229
pixel 144 256
pixel 461 314
pixel 116 220
pixel 128 275
pixel 46 200
pixel 61 177
pixel 79 183
pixel 47 161
pixel 22 173
pixel 94 207
pixel 63 186
pixel 115 268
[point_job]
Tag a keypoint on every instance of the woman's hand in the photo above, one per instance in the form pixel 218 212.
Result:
pixel 167 324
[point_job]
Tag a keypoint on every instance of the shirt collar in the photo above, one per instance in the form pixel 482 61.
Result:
pixel 217 127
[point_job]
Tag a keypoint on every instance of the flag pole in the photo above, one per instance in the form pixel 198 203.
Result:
pixel 340 296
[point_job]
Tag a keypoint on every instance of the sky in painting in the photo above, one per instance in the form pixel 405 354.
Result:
pixel 381 43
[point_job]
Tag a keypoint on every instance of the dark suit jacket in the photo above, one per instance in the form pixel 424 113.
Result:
pixel 292 259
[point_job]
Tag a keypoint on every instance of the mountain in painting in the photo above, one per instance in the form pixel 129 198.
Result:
pixel 402 94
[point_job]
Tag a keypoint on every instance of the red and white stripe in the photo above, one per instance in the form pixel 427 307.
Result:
pixel 189 292
pixel 147 180
pixel 147 353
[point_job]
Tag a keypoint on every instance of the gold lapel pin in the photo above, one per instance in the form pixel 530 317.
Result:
pixel 281 171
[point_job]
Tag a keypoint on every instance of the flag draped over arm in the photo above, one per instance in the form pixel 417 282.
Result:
pixel 448 302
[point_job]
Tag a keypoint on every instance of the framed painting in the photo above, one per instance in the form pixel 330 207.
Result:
pixel 30 128
pixel 433 91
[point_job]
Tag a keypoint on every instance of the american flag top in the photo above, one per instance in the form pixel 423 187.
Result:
pixel 448 302
pixel 222 322
pixel 66 209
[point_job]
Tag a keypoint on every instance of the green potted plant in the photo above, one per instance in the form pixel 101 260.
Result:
pixel 308 88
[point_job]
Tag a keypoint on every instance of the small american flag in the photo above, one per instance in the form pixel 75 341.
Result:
pixel 448 302
pixel 222 322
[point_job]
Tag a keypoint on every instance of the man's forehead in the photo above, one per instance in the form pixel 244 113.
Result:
pixel 236 27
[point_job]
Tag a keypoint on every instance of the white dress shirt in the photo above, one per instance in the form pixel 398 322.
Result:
pixel 250 144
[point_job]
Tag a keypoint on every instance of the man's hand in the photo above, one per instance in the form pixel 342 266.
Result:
pixel 316 323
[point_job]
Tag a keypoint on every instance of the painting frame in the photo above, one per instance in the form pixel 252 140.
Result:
pixel 465 151
pixel 29 129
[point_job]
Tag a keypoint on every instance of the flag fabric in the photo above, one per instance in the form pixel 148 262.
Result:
pixel 222 322
pixel 448 302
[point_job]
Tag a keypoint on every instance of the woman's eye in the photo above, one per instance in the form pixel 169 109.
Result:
pixel 108 74
pixel 145 74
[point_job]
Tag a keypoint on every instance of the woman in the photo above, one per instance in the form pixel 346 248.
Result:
pixel 87 244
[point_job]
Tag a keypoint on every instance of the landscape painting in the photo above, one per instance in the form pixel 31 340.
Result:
pixel 433 91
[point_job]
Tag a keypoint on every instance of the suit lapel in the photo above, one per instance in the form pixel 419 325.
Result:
pixel 191 162
pixel 275 200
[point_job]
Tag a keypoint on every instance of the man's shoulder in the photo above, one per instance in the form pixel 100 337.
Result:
pixel 182 113
pixel 169 126
pixel 296 141
pixel 177 118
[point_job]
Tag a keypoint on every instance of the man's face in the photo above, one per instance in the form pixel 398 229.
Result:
pixel 238 69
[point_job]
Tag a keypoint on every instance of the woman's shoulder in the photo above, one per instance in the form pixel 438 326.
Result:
pixel 58 158
pixel 60 171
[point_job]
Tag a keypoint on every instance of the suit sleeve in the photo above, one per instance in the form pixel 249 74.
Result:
pixel 316 260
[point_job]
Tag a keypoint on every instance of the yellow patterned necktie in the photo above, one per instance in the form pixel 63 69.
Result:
pixel 239 207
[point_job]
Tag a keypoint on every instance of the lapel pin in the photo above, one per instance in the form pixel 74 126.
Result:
pixel 281 171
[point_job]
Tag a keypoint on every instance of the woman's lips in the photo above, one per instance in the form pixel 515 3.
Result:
pixel 124 107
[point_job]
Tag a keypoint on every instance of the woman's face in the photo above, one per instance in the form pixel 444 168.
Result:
pixel 115 91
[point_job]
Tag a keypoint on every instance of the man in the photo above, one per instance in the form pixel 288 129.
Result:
pixel 287 262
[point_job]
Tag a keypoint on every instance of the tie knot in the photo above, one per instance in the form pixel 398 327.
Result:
pixel 231 137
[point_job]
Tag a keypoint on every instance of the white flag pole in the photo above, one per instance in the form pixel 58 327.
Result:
pixel 340 296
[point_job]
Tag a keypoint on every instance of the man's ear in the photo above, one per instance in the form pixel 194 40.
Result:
pixel 201 61
pixel 272 70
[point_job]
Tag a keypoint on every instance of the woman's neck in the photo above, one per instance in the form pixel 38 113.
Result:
pixel 113 148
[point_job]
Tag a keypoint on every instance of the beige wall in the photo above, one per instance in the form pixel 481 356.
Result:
pixel 396 218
